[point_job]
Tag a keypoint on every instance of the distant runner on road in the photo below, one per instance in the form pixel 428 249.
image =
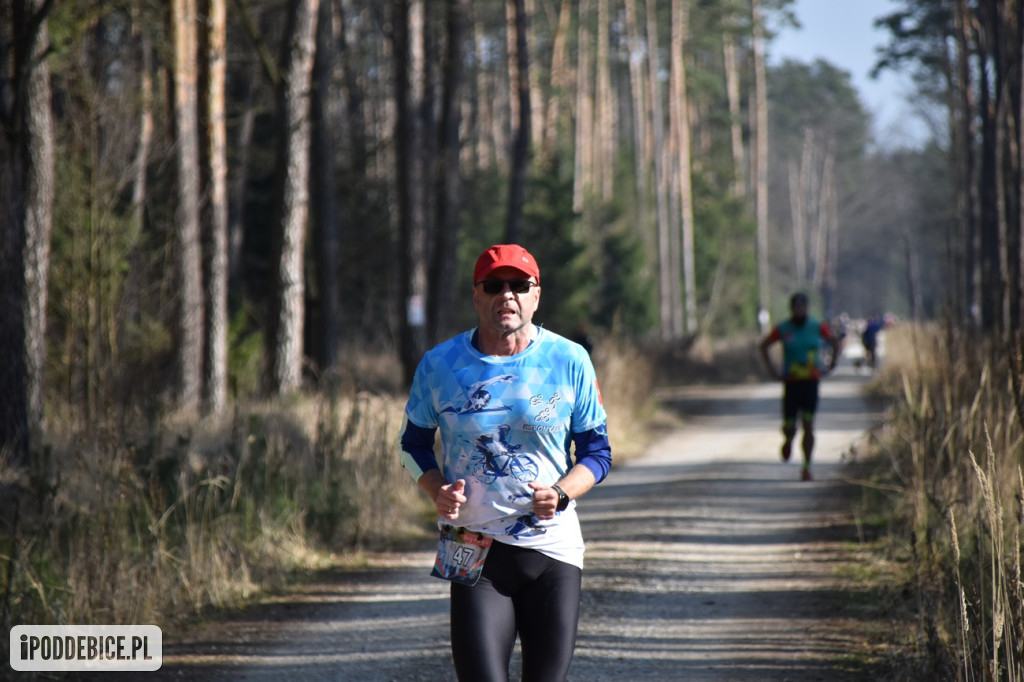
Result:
pixel 801 337
pixel 869 337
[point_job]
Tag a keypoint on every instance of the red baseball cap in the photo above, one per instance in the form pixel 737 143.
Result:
pixel 505 255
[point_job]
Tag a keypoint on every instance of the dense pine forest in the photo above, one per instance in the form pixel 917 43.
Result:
pixel 222 196
pixel 205 203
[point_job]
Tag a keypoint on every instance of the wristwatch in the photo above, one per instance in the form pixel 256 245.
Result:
pixel 563 499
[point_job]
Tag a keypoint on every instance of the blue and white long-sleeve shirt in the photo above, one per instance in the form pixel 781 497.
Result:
pixel 504 422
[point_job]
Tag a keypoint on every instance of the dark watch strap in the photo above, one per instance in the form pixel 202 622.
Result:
pixel 563 499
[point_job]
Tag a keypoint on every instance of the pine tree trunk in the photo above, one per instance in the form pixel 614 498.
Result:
pixel 409 82
pixel 140 165
pixel 14 172
pixel 190 291
pixel 14 421
pixel 511 62
pixel 604 127
pixel 660 173
pixel 1019 226
pixel 559 77
pixel 761 157
pixel 822 222
pixel 680 120
pixel 674 184
pixel 963 131
pixel 293 163
pixel 38 226
pixel 326 205
pixel 831 279
pixel 443 286
pixel 215 216
pixel 674 227
pixel 584 161
pixel 1009 32
pixel 485 103
pixel 521 143
pixel 145 139
pixel 1017 370
pixel 502 117
pixel 732 89
pixel 796 212
pixel 991 286
pixel 638 87
pixel 536 93
pixel 800 195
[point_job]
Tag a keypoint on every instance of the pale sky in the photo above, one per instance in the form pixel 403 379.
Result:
pixel 842 33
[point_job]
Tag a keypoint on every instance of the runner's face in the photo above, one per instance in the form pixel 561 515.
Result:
pixel 799 310
pixel 505 312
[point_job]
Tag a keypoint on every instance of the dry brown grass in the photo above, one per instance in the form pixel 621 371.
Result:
pixel 700 360
pixel 955 444
pixel 158 523
pixel 626 377
pixel 153 518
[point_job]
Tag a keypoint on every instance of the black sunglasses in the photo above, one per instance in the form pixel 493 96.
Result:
pixel 516 286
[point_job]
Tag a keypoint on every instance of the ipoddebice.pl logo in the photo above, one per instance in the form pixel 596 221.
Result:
pixel 86 647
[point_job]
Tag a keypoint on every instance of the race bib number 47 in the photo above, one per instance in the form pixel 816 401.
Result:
pixel 460 555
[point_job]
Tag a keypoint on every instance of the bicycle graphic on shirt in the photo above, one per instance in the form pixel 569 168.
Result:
pixel 499 458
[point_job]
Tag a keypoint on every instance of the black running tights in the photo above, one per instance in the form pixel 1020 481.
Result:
pixel 520 591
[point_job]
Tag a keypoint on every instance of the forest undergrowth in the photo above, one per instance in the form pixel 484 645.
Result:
pixel 951 465
pixel 151 519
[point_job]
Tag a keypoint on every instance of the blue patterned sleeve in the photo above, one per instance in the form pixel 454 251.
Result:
pixel 417 449
pixel 590 432
pixel 417 437
pixel 594 451
pixel 588 412
pixel 420 409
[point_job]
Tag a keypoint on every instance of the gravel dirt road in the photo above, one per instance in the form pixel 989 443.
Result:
pixel 707 559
